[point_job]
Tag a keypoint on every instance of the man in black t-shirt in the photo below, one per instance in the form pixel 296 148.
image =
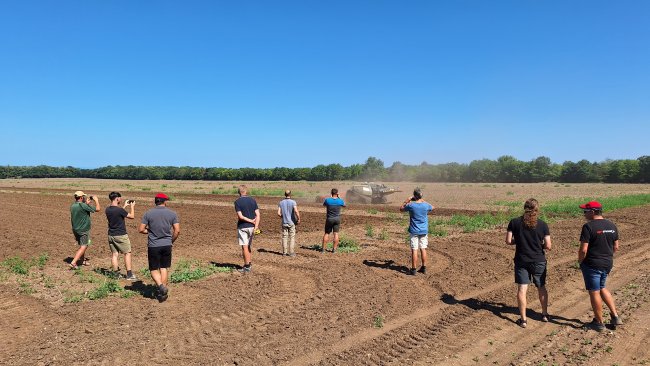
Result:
pixel 248 223
pixel 598 243
pixel 118 239
pixel 531 237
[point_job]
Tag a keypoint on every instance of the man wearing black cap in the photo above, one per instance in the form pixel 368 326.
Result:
pixel 598 243
pixel 162 226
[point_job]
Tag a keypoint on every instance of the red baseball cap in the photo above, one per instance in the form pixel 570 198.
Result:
pixel 162 195
pixel 592 205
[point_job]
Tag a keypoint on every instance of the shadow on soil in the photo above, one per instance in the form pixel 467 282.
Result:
pixel 386 264
pixel 500 309
pixel 148 291
pixel 262 250
pixel 226 265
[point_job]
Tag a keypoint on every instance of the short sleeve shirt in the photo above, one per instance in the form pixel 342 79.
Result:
pixel 419 219
pixel 247 205
pixel 159 221
pixel 286 208
pixel 116 216
pixel 529 243
pixel 333 206
pixel 80 216
pixel 600 236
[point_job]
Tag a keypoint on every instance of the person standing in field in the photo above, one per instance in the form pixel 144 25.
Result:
pixel 118 239
pixel 418 210
pixel 288 212
pixel 531 238
pixel 248 223
pixel 598 243
pixel 162 228
pixel 80 218
pixel 333 206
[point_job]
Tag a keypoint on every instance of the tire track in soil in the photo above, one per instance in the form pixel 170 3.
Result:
pixel 394 344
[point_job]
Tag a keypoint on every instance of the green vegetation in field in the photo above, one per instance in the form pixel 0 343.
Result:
pixel 186 271
pixel 383 235
pixel 145 272
pixel 145 189
pixel 372 211
pixel 127 294
pixel 378 322
pixel 346 245
pixel 17 265
pixel 25 288
pixel 370 231
pixel 42 260
pixel 436 228
pixel 477 222
pixel 73 298
pixel 568 207
pixel 108 287
pixel 86 277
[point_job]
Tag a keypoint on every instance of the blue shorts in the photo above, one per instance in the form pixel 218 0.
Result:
pixel 594 278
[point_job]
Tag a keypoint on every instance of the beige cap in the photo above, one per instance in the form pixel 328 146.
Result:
pixel 79 194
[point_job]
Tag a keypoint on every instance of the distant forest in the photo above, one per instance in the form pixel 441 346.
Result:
pixel 505 169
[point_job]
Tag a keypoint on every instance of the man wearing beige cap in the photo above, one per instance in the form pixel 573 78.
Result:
pixel 80 218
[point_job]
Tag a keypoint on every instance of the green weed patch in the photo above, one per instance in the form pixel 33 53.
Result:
pixel 186 271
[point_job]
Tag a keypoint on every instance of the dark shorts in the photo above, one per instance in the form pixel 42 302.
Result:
pixel 594 278
pixel 527 272
pixel 332 225
pixel 83 239
pixel 159 257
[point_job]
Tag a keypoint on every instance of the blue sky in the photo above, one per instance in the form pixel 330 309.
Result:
pixel 301 83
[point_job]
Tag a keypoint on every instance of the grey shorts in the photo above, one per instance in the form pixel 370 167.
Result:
pixel 83 239
pixel 119 244
pixel 527 272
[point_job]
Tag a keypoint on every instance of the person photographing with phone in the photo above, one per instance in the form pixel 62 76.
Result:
pixel 80 218
pixel 418 210
pixel 118 239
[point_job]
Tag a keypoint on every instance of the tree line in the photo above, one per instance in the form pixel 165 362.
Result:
pixel 505 169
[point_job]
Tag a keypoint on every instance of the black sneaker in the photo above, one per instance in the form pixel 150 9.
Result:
pixel 595 325
pixel 245 269
pixel 163 293
pixel 423 270
pixel 615 321
pixel 413 272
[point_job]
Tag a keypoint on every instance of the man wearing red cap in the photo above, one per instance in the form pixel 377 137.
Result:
pixel 162 226
pixel 598 243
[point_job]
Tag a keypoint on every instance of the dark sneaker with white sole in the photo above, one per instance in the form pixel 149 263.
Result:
pixel 615 321
pixel 423 270
pixel 595 325
pixel 413 272
pixel 163 293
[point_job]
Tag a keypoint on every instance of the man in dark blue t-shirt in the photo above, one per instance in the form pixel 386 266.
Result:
pixel 248 223
pixel 333 206
pixel 598 243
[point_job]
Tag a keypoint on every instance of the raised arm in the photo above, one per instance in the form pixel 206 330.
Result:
pixel 131 214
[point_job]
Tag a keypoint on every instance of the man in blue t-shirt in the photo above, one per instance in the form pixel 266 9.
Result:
pixel 418 210
pixel 333 219
pixel 248 223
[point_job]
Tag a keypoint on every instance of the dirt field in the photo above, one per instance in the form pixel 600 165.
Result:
pixel 321 309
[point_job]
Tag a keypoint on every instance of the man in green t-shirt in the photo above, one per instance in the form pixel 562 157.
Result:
pixel 80 218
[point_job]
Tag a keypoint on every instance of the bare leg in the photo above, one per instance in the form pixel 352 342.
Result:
pixel 246 253
pixel 127 261
pixel 543 299
pixel 414 258
pixel 597 305
pixel 336 242
pixel 423 253
pixel 521 300
pixel 163 276
pixel 114 258
pixel 156 276
pixel 79 255
pixel 326 238
pixel 606 296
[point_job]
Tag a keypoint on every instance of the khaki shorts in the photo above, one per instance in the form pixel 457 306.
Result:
pixel 245 236
pixel 83 239
pixel 119 244
pixel 419 241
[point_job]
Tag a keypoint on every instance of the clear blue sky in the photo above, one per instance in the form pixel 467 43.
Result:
pixel 301 83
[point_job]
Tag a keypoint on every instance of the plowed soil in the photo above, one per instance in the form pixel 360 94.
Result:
pixel 313 309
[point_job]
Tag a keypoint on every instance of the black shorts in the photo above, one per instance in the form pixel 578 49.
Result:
pixel 332 225
pixel 159 257
pixel 525 272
